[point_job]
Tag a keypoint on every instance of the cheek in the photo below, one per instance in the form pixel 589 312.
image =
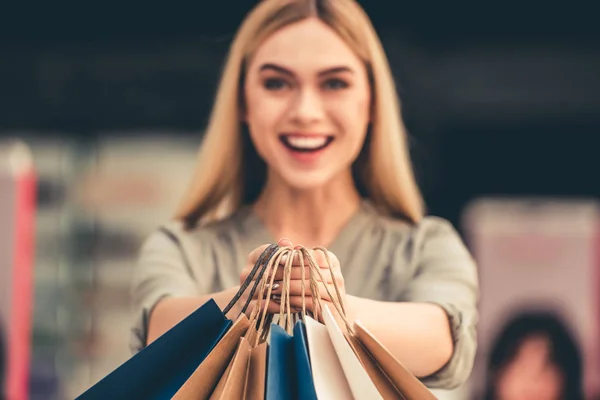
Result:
pixel 262 113
pixel 354 117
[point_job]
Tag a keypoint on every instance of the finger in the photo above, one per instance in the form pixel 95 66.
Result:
pixel 317 257
pixel 254 254
pixel 295 289
pixel 272 308
pixel 325 259
pixel 285 242
pixel 296 273
pixel 295 262
pixel 277 300
pixel 309 303
pixel 275 290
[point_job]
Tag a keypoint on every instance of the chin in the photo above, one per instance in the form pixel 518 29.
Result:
pixel 306 181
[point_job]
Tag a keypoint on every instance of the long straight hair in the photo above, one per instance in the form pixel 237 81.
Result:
pixel 230 173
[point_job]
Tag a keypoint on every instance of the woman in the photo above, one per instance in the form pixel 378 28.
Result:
pixel 306 142
pixel 535 357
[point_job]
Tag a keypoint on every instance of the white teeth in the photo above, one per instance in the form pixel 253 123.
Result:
pixel 307 143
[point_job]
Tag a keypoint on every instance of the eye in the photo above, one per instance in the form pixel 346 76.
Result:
pixel 275 84
pixel 335 84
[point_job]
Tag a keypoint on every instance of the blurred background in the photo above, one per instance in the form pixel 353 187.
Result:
pixel 102 109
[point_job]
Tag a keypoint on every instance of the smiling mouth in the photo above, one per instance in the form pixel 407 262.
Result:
pixel 305 143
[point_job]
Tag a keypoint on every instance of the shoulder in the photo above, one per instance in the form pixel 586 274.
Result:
pixel 432 237
pixel 436 229
pixel 429 228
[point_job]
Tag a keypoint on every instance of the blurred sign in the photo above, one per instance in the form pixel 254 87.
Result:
pixel 538 253
pixel 17 209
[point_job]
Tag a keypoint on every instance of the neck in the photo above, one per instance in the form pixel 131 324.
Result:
pixel 309 218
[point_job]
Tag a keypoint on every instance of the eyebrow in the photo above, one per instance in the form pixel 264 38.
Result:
pixel 280 69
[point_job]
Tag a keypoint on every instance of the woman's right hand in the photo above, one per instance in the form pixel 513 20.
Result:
pixel 274 305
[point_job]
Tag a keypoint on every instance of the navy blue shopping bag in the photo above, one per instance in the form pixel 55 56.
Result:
pixel 288 366
pixel 305 384
pixel 281 368
pixel 160 369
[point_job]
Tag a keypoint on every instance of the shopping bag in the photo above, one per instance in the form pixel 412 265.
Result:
pixel 327 373
pixel 205 378
pixel 361 385
pixel 234 385
pixel 289 375
pixel 281 381
pixel 257 373
pixel 385 387
pixel 306 386
pixel 410 387
pixel 160 369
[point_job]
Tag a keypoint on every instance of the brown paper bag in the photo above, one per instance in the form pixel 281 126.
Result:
pixel 410 387
pixel 245 376
pixel 216 394
pixel 202 382
pixel 257 373
pixel 385 387
pixel 235 382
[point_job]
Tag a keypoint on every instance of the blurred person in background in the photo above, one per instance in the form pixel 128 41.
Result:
pixel 535 357
pixel 306 142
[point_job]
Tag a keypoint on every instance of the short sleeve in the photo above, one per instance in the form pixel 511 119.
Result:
pixel 446 274
pixel 161 271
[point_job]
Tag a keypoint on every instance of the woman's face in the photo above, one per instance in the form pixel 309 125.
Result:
pixel 532 375
pixel 307 104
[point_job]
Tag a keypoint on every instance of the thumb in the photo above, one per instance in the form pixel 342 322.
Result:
pixel 284 242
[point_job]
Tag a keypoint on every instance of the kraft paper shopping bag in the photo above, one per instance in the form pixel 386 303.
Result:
pixel 257 373
pixel 385 387
pixel 203 381
pixel 410 387
pixel 236 380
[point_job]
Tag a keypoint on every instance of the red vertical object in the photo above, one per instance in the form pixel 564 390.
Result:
pixel 19 193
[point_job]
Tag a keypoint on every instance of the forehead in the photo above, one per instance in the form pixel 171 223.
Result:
pixel 538 345
pixel 308 44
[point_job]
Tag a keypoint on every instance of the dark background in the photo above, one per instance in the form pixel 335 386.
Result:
pixel 500 99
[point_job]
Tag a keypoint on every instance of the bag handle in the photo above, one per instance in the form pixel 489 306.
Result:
pixel 260 312
pixel 261 263
pixel 336 300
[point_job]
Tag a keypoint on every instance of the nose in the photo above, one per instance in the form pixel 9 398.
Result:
pixel 307 107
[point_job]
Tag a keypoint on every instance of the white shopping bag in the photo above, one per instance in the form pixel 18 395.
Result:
pixel 328 375
pixel 361 385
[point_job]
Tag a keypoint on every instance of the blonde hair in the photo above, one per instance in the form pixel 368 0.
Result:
pixel 229 172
